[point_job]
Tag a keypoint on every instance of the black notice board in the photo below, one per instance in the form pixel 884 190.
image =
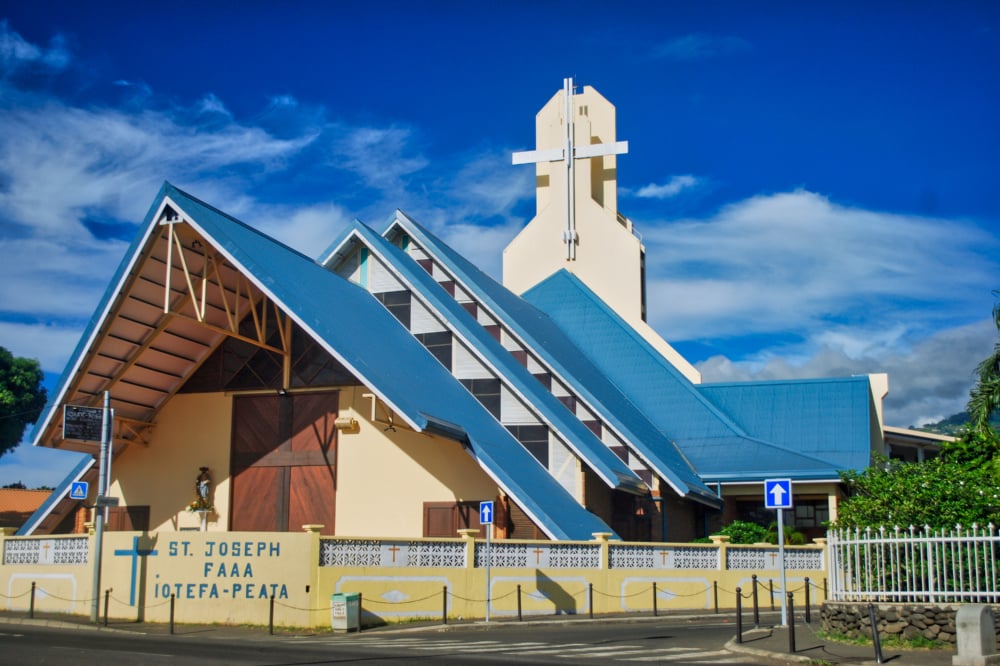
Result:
pixel 82 423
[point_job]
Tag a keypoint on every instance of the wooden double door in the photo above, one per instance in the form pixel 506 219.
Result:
pixel 283 462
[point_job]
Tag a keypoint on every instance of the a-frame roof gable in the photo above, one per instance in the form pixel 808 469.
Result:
pixel 244 269
pixel 540 334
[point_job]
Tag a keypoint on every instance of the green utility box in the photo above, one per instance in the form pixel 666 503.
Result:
pixel 345 611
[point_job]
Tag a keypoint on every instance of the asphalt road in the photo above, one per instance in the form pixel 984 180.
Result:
pixel 598 643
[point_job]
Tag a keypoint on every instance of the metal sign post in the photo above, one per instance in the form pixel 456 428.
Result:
pixel 99 510
pixel 778 496
pixel 486 518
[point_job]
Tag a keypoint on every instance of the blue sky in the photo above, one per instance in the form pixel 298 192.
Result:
pixel 816 183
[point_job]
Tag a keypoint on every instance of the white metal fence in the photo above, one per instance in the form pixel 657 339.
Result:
pixel 919 566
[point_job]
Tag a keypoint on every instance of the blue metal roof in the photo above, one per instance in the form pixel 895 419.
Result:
pixel 827 418
pixel 59 494
pixel 425 395
pixel 557 350
pixel 718 447
pixel 587 446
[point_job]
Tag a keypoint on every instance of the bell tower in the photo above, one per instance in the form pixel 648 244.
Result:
pixel 577 225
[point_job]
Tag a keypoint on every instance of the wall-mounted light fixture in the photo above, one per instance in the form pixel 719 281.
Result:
pixel 346 424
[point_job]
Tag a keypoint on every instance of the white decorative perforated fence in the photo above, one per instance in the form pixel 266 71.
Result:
pixel 917 566
pixel 387 553
pixel 554 556
pixel 561 555
pixel 72 550
pixel 767 558
pixel 663 557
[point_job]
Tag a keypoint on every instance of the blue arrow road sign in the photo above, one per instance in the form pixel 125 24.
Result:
pixel 78 490
pixel 486 513
pixel 778 494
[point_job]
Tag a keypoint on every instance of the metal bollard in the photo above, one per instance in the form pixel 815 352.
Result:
pixel 361 611
pixel 739 615
pixel 791 623
pixel 756 605
pixel 808 604
pixel 171 614
pixel 770 591
pixel 590 599
pixel 444 605
pixel 519 618
pixel 107 596
pixel 876 639
pixel 715 595
pixel 31 606
pixel 655 613
pixel 270 617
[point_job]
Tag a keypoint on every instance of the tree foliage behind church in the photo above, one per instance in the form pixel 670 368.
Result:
pixel 959 487
pixel 984 399
pixel 22 397
pixel 955 488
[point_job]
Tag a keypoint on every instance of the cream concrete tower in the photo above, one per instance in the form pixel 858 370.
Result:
pixel 577 225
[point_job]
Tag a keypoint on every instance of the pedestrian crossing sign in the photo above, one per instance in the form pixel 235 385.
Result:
pixel 78 490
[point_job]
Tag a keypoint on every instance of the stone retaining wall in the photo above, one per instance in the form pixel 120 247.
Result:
pixel 902 621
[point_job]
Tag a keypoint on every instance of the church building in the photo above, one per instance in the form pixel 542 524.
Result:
pixel 388 386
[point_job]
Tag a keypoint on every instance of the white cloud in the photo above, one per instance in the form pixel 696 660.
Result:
pixel 928 380
pixel 50 344
pixel 212 104
pixel 839 290
pixel 15 52
pixel 799 262
pixel 308 229
pixel 378 155
pixel 61 162
pixel 671 188
pixel 700 46
pixel 487 186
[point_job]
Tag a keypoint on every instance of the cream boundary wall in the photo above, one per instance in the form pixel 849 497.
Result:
pixel 231 578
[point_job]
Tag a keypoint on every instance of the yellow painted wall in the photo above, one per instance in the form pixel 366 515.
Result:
pixel 192 431
pixel 231 578
pixel 385 476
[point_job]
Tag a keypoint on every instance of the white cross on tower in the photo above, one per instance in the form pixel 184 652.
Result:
pixel 569 153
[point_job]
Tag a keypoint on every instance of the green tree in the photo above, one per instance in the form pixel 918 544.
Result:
pixel 22 397
pixel 952 489
pixel 984 399
pixel 740 531
pixel 792 536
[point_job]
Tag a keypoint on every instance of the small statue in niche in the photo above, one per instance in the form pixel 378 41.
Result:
pixel 202 488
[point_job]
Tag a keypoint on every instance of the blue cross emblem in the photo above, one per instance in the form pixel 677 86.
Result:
pixel 135 553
